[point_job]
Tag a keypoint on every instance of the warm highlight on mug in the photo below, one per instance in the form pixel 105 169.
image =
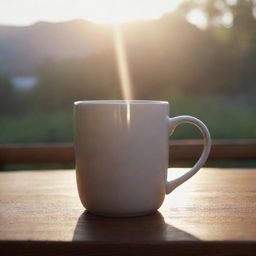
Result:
pixel 122 155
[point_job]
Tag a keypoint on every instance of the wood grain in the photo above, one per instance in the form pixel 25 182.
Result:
pixel 214 213
pixel 180 150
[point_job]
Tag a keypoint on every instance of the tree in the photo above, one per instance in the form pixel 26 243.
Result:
pixel 7 96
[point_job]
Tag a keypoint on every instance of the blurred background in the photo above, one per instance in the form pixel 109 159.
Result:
pixel 200 55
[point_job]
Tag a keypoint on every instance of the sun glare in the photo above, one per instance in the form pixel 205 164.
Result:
pixel 123 70
pixel 25 12
pixel 198 18
pixel 120 11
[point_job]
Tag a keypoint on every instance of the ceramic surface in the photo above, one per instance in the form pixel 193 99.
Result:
pixel 122 155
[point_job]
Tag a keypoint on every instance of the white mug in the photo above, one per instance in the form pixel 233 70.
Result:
pixel 121 150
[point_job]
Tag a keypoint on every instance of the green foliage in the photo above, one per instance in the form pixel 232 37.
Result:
pixel 7 95
pixel 12 102
pixel 62 83
pixel 37 127
pixel 226 120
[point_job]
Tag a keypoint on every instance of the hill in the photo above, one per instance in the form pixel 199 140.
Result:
pixel 22 49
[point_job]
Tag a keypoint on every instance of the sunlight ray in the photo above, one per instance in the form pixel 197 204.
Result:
pixel 123 70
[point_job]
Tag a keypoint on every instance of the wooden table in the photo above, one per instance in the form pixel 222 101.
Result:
pixel 214 213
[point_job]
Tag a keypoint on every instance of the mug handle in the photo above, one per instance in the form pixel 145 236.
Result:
pixel 173 123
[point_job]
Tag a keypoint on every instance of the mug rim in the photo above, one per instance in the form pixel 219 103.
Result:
pixel 118 102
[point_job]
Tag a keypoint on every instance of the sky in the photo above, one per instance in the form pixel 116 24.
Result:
pixel 26 12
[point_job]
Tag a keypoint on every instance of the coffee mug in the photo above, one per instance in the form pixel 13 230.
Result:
pixel 121 150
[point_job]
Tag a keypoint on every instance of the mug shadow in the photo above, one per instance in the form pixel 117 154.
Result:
pixel 90 227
